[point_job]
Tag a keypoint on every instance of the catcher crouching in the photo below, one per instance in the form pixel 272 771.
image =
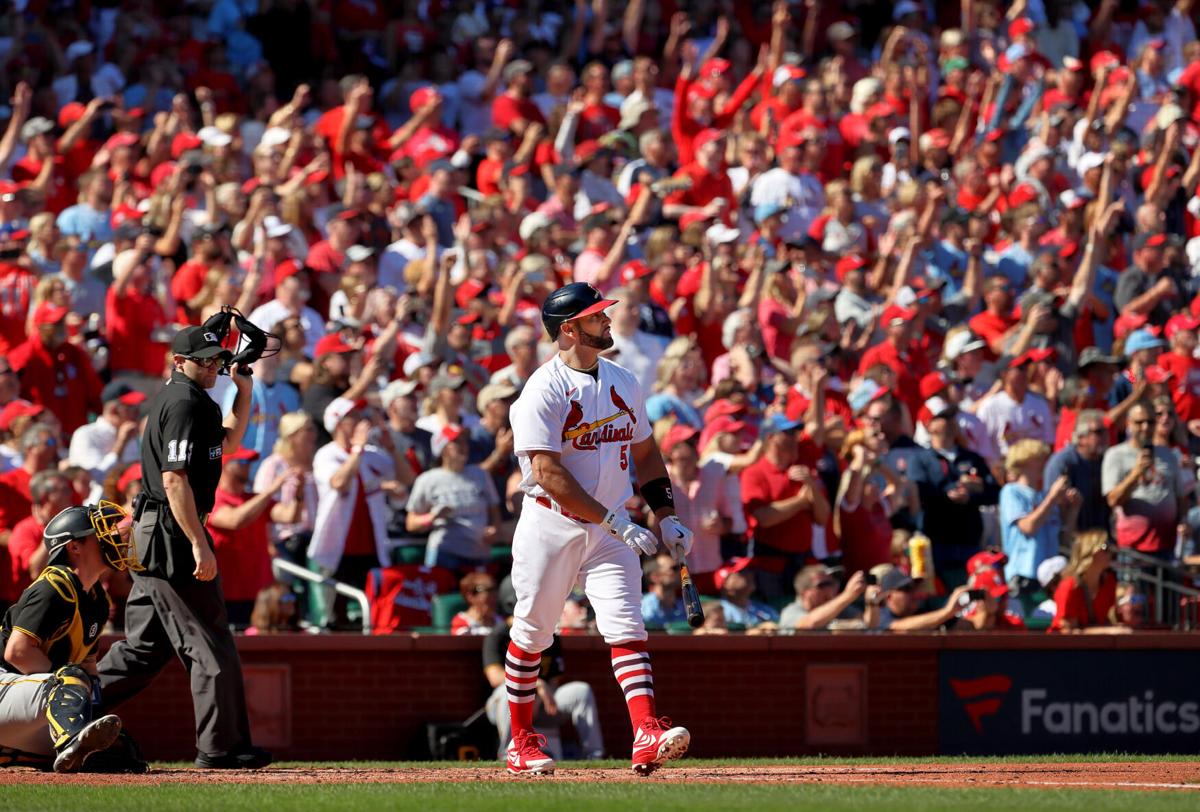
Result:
pixel 48 683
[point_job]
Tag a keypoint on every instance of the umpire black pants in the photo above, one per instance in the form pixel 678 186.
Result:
pixel 187 618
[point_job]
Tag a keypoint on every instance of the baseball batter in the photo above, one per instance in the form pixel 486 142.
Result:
pixel 580 430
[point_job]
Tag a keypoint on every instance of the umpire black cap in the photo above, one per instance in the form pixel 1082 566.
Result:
pixel 573 301
pixel 198 342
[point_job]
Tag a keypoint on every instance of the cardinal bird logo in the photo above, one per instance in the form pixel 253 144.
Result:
pixel 587 436
pixel 620 404
pixel 573 418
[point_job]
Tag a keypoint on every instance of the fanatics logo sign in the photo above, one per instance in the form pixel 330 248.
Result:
pixel 1039 701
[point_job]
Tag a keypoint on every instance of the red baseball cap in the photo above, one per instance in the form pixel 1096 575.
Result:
pixel 938 138
pixel 18 408
pixel 679 433
pixel 723 407
pixel 1032 356
pixel 70 113
pixel 331 343
pixel 48 313
pixel 714 67
pixel 1181 321
pixel 122 139
pixel 241 455
pixel 880 110
pixel 848 263
pixel 895 314
pixel 1102 58
pixel 736 565
pixel 184 142
pixel 725 424
pixel 586 151
pixel 988 559
pixel 289 267
pixel 1019 27
pixel 934 383
pixel 635 269
pixel 131 474
pixel 990 580
pixel 122 213
pixel 421 97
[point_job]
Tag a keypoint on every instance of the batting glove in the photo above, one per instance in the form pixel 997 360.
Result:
pixel 638 538
pixel 677 537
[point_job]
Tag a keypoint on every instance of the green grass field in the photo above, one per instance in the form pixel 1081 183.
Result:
pixel 503 795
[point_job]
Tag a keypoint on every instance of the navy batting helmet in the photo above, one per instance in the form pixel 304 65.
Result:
pixel 79 522
pixel 569 302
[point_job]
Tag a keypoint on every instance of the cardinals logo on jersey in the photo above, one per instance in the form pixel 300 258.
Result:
pixel 587 436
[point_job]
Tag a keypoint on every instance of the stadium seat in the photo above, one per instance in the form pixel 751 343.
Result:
pixel 445 607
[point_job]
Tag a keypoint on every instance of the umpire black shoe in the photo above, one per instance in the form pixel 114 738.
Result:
pixel 251 758
pixel 95 736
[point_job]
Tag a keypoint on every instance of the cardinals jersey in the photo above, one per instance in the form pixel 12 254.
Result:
pixel 591 420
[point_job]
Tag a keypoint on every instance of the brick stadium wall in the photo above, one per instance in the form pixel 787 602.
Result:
pixel 350 697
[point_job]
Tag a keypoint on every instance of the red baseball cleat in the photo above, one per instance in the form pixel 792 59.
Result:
pixel 657 742
pixel 525 756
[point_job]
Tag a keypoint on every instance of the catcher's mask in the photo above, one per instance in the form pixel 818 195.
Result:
pixel 250 343
pixel 76 523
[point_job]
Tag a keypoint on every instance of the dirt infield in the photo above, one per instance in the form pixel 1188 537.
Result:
pixel 1168 775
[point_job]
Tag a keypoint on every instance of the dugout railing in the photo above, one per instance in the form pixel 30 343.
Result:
pixel 1168 591
pixel 282 568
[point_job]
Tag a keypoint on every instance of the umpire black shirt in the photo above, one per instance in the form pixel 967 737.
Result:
pixel 183 433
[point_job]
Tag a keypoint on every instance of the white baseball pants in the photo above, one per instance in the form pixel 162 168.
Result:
pixel 552 553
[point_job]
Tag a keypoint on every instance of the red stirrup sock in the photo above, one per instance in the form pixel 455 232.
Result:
pixel 520 676
pixel 631 667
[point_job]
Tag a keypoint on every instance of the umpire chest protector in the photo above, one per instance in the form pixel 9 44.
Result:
pixel 183 434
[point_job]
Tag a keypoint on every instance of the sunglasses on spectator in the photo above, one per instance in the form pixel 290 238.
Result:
pixel 479 590
pixel 827 584
pixel 1139 422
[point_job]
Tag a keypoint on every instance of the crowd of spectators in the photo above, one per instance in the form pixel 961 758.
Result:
pixel 887 272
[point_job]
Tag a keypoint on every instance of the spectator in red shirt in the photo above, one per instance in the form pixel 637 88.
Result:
pixel 991 613
pixel 55 373
pixel 997 320
pixel 210 246
pixel 1185 386
pixel 39 452
pixel 514 109
pixel 1086 597
pixel 899 353
pixel 786 507
pixel 328 257
pixel 16 292
pixel 479 618
pixel 711 192
pixel 238 525
pixel 135 322
pixel 50 493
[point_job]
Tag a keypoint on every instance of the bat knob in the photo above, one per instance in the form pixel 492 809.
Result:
pixel 696 621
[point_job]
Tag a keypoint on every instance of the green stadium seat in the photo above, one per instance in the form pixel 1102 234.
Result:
pixel 501 552
pixel 778 603
pixel 1038 624
pixel 408 554
pixel 445 607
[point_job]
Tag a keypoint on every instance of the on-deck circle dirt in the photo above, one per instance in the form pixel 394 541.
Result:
pixel 1142 775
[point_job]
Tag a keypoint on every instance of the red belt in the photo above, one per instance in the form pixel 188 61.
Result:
pixel 552 505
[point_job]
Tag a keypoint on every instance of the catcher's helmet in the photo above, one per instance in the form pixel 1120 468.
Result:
pixel 569 302
pixel 100 521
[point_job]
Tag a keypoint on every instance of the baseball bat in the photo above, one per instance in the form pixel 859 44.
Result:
pixel 691 598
